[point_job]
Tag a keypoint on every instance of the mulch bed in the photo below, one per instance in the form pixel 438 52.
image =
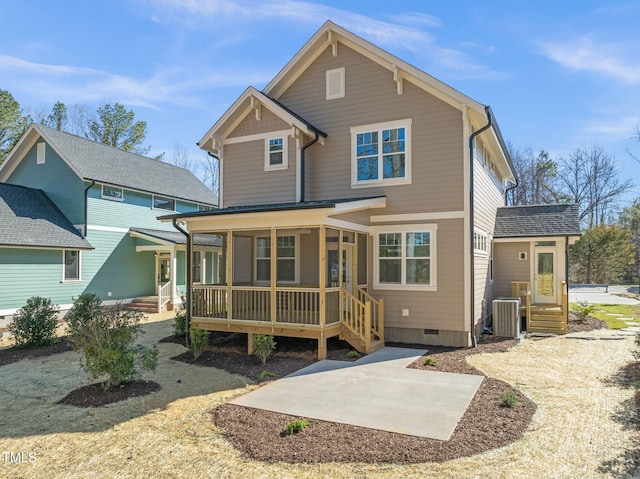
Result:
pixel 576 326
pixel 13 354
pixel 94 395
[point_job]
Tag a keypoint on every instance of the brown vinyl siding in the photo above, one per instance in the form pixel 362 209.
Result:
pixel 371 97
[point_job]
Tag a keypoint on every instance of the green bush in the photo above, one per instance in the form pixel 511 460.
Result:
pixel 35 323
pixel 508 399
pixel 294 427
pixel 430 362
pixel 353 354
pixel 266 374
pixel 180 322
pixel 198 341
pixel 105 339
pixel 263 346
pixel 583 309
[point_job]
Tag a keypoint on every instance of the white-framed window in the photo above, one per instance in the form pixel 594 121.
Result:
pixel 71 265
pixel 286 256
pixel 163 203
pixel 275 155
pixel 41 151
pixel 381 154
pixel 335 83
pixel 405 257
pixel 480 242
pixel 202 207
pixel 112 193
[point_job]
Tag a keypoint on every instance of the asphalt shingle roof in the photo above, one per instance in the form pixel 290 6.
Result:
pixel 176 237
pixel 106 164
pixel 538 220
pixel 29 218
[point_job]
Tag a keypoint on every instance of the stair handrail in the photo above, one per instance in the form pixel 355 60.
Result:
pixel 377 312
pixel 164 294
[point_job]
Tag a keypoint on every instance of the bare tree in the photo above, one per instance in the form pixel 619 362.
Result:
pixel 211 166
pixel 179 156
pixel 590 178
pixel 536 175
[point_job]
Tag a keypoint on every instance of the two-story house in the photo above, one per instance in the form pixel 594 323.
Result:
pixel 79 216
pixel 359 198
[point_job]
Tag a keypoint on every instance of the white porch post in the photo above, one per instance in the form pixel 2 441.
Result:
pixel 174 276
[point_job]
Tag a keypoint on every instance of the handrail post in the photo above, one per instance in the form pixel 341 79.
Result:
pixel 367 326
pixel 381 319
pixel 159 298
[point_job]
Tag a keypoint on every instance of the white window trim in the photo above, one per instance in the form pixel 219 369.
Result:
pixel 403 229
pixel 285 153
pixel 107 197
pixel 296 258
pixel 340 94
pixel 487 241
pixel 41 153
pixel 153 202
pixel 406 124
pixel 79 279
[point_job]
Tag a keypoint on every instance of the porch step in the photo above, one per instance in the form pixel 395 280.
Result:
pixel 359 343
pixel 145 304
pixel 547 323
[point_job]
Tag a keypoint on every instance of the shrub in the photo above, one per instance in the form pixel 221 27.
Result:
pixel 583 310
pixel 294 427
pixel 353 354
pixel 35 323
pixel 508 399
pixel 266 374
pixel 198 341
pixel 263 346
pixel 105 339
pixel 180 322
pixel 430 362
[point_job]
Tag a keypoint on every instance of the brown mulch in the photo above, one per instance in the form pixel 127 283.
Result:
pixel 486 424
pixel 590 324
pixel 94 395
pixel 13 354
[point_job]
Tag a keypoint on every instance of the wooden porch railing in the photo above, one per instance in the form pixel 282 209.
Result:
pixel 164 295
pixel 522 290
pixel 377 312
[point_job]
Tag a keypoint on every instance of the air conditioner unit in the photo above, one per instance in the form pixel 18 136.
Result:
pixel 506 317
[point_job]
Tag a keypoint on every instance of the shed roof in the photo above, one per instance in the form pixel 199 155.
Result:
pixel 537 220
pixel 29 218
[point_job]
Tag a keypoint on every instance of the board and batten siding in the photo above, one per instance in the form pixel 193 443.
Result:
pixel 55 178
pixel 371 97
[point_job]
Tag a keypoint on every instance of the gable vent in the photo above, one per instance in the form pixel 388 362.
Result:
pixel 335 83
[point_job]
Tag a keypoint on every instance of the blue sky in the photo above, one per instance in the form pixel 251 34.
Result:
pixel 558 75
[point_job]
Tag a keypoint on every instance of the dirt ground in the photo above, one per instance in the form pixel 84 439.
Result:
pixel 585 423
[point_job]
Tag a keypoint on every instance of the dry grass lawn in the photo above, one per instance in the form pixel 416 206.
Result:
pixel 581 428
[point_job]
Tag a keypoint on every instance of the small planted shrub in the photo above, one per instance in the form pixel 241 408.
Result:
pixel 294 427
pixel 429 362
pixel 263 346
pixel 199 339
pixel 508 399
pixel 35 323
pixel 180 321
pixel 353 354
pixel 266 374
pixel 583 310
pixel 105 339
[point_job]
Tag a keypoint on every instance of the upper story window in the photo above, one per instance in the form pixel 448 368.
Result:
pixel 71 267
pixel 275 154
pixel 202 207
pixel 335 83
pixel 41 151
pixel 381 154
pixel 164 203
pixel 112 192
pixel 480 242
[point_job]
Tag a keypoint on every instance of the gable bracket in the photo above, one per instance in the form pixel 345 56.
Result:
pixel 255 105
pixel 333 41
pixel 397 77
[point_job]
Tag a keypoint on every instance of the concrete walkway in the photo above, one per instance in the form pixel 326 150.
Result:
pixel 377 392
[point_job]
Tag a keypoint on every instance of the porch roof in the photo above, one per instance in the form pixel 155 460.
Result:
pixel 537 220
pixel 174 237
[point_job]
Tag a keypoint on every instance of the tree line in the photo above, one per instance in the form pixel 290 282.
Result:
pixel 609 249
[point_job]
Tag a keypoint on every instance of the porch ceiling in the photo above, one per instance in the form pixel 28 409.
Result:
pixel 168 238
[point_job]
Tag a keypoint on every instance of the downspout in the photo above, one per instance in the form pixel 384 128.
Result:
pixel 506 192
pixel 566 272
pixel 472 222
pixel 86 207
pixel 302 150
pixel 187 308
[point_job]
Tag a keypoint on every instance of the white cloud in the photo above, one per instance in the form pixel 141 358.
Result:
pixel 615 61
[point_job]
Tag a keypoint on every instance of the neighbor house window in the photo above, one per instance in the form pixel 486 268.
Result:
pixel 275 154
pixel 381 154
pixel 197 267
pixel 41 153
pixel 112 192
pixel 164 203
pixel 480 242
pixel 285 256
pixel 71 267
pixel 405 258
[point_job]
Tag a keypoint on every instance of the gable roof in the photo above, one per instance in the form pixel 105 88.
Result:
pixel 95 161
pixel 30 219
pixel 537 220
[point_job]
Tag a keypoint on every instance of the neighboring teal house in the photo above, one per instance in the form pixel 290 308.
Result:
pixel 79 216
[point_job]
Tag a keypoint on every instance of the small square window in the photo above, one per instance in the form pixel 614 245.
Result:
pixel 112 193
pixel 276 154
pixel 164 203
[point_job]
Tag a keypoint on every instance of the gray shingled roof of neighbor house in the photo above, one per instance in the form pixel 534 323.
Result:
pixel 538 220
pixel 29 218
pixel 176 237
pixel 106 164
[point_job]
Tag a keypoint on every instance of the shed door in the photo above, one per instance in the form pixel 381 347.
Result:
pixel 545 276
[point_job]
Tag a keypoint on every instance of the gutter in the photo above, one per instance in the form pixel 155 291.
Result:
pixel 187 308
pixel 302 162
pixel 86 208
pixel 487 110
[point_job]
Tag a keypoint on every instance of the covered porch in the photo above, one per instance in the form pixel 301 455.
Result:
pixel 292 270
